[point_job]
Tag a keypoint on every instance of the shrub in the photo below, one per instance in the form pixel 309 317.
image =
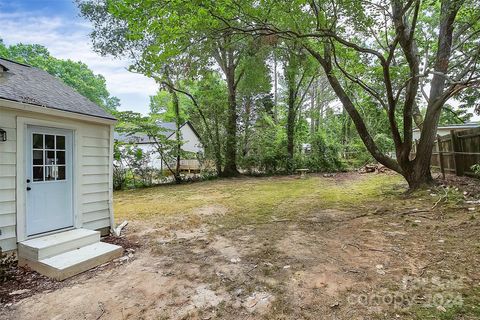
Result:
pixel 476 169
pixel 323 157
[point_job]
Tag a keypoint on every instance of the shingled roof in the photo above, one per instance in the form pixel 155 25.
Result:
pixel 26 84
pixel 169 129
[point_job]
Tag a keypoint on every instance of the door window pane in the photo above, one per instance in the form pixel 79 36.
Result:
pixel 38 173
pixel 37 141
pixel 60 157
pixel 37 157
pixel 49 173
pixel 61 173
pixel 60 143
pixel 49 157
pixel 49 141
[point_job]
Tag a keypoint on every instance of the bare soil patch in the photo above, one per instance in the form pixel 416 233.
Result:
pixel 325 252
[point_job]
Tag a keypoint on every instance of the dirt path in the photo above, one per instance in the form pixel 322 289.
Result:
pixel 325 263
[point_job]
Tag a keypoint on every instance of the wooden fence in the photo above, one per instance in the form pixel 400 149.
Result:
pixel 456 152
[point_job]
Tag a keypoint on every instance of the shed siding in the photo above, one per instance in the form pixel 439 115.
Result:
pixel 93 147
pixel 8 240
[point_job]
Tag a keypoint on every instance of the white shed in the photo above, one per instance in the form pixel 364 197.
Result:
pixel 191 142
pixel 56 152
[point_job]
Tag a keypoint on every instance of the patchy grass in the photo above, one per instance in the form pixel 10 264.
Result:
pixel 286 248
pixel 467 308
pixel 256 200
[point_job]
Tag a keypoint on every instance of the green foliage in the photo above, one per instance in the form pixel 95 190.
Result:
pixel 132 168
pixel 161 107
pixel 451 115
pixel 476 169
pixel 215 60
pixel 75 74
pixel 323 157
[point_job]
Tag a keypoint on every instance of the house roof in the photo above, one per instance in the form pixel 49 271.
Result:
pixel 469 125
pixel 26 84
pixel 169 130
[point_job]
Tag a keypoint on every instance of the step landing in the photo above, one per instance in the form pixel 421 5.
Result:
pixel 84 255
pixel 50 245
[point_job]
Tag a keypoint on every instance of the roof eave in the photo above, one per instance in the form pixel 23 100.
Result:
pixel 17 105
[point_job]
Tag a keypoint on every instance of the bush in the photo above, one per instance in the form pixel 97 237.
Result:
pixel 8 264
pixel 476 169
pixel 323 157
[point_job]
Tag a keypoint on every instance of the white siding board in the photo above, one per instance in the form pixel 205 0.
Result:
pixel 94 215
pixel 96 188
pixel 95 169
pixel 95 206
pixel 7 170
pixel 7 206
pixel 95 151
pixel 8 240
pixel 92 133
pixel 7 195
pixel 97 224
pixel 7 119
pixel 8 232
pixel 8 244
pixel 95 197
pixel 8 158
pixel 8 146
pixel 8 219
pixel 7 183
pixel 95 142
pixel 94 178
pixel 95 161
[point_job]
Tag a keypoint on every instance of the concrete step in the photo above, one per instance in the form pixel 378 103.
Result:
pixel 68 264
pixel 55 244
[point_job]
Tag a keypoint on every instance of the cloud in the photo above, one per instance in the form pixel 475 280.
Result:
pixel 68 38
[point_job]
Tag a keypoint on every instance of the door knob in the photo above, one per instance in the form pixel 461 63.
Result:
pixel 28 180
pixel 28 188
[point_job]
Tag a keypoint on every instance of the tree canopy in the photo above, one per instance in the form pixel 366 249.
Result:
pixel 75 74
pixel 300 76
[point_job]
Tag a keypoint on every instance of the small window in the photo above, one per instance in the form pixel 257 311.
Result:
pixel 60 157
pixel 61 173
pixel 49 157
pixel 37 141
pixel 60 144
pixel 49 141
pixel 37 173
pixel 49 173
pixel 38 157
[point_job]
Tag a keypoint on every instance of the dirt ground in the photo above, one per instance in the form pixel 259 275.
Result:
pixel 348 246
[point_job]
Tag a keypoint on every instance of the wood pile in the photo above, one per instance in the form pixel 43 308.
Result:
pixel 373 168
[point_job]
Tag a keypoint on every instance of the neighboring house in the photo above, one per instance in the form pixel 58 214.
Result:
pixel 190 138
pixel 444 130
pixel 56 155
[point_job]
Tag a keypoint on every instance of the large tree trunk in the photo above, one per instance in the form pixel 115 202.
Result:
pixel 218 147
pixel 246 134
pixel 418 175
pixel 416 171
pixel 230 169
pixel 178 138
pixel 291 117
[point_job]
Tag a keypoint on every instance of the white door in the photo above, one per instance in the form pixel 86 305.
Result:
pixel 49 177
